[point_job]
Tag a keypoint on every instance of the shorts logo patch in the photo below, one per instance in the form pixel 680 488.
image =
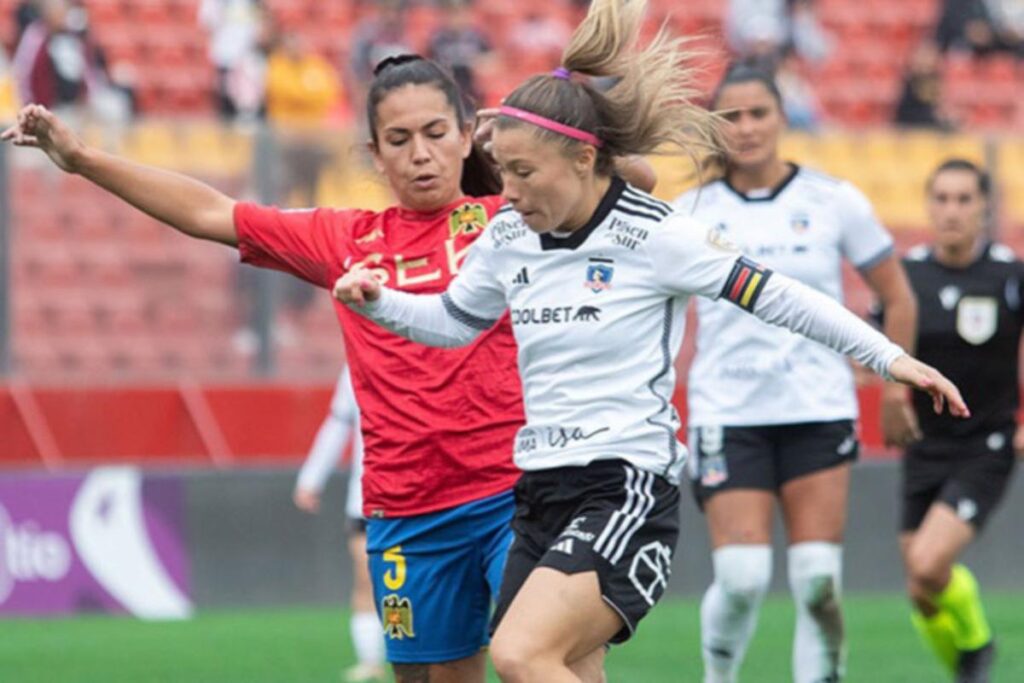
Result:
pixel 966 509
pixel 847 446
pixel 564 546
pixel 396 614
pixel 995 441
pixel 713 469
pixel 652 565
pixel 574 531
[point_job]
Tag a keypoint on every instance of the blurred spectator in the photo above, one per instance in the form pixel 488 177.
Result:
pixel 235 28
pixel 460 46
pixel 763 30
pixel 376 38
pixel 1007 21
pixel 303 91
pixel 25 12
pixel 808 38
pixel 757 29
pixel 964 25
pixel 799 100
pixel 55 64
pixel 920 105
pixel 538 40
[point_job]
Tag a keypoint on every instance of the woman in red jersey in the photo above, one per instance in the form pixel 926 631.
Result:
pixel 438 424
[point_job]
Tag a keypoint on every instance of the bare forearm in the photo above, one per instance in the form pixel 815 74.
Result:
pixel 184 203
pixel 901 322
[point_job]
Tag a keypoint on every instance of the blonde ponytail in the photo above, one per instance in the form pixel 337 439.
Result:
pixel 650 106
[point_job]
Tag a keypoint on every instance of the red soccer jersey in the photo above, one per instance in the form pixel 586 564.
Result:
pixel 438 424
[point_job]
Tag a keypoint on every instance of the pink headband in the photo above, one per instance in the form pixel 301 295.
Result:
pixel 544 122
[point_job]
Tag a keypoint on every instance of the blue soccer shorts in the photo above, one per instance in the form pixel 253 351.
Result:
pixel 436 577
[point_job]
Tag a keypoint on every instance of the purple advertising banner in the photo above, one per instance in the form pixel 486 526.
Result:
pixel 107 541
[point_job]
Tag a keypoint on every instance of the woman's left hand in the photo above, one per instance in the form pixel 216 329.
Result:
pixel 914 373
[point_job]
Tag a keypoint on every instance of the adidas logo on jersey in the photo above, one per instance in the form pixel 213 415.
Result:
pixel 564 546
pixel 522 277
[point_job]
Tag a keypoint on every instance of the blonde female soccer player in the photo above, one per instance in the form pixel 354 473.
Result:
pixel 596 276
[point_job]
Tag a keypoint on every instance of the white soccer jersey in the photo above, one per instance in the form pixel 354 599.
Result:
pixel 599 316
pixel 746 373
pixel 341 424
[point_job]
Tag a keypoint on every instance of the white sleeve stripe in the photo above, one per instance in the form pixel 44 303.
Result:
pixel 870 263
pixel 464 317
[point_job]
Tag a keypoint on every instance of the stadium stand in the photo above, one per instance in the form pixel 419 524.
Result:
pixel 101 294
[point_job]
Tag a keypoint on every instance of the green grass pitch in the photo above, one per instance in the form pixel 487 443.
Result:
pixel 311 646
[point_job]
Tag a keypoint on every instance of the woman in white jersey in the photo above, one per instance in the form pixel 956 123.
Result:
pixel 597 276
pixel 772 415
pixel 340 428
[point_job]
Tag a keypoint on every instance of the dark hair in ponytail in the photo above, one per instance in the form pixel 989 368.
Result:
pixel 479 177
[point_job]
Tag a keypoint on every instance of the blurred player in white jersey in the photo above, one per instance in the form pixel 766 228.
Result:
pixel 772 416
pixel 341 428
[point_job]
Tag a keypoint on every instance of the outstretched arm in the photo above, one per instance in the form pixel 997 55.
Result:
pixel 688 258
pixel 185 204
pixel 793 305
pixel 430 319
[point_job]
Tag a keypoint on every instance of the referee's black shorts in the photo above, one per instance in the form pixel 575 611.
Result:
pixel 766 457
pixel 969 474
pixel 608 517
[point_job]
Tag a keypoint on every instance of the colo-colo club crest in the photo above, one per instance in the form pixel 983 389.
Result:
pixel 468 219
pixel 599 275
pixel 397 613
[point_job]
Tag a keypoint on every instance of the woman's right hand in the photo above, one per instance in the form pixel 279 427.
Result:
pixel 306 500
pixel 38 127
pixel 357 286
pixel 485 130
pixel 912 372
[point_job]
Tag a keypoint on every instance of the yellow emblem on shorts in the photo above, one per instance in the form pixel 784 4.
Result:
pixel 397 617
pixel 468 219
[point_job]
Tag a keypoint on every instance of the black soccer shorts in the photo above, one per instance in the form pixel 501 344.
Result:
pixel 766 457
pixel 608 517
pixel 968 474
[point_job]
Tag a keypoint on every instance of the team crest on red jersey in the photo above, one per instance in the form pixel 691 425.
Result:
pixel 468 219
pixel 397 617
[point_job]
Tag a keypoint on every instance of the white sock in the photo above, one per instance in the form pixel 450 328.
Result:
pixel 815 577
pixel 367 638
pixel 728 613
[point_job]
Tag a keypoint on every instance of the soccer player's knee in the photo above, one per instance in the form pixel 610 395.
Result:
pixel 513 661
pixel 815 575
pixel 743 573
pixel 927 571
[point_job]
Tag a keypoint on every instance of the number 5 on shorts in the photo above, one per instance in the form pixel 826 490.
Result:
pixel 394 578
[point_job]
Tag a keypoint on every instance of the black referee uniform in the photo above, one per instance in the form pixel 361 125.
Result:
pixel 969 328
